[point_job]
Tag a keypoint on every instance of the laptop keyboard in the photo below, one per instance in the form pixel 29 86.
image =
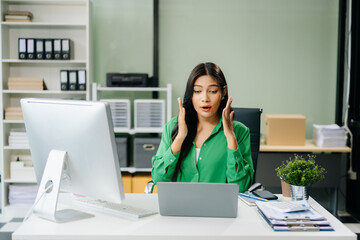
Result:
pixel 121 210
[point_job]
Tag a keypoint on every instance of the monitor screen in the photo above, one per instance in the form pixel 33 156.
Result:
pixel 84 131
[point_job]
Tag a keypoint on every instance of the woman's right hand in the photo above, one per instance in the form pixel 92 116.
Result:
pixel 183 130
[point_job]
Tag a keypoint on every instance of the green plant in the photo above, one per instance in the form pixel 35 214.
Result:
pixel 300 171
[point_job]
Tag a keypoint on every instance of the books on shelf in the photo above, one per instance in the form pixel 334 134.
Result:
pixel 329 135
pixel 26 83
pixel 18 16
pixel 22 194
pixel 18 138
pixel 13 113
pixel 305 220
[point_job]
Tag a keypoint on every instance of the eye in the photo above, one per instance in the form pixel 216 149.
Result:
pixel 197 91
pixel 213 91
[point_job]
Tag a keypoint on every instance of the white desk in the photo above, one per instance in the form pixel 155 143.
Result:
pixel 248 225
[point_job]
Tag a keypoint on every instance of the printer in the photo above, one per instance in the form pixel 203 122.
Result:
pixel 129 80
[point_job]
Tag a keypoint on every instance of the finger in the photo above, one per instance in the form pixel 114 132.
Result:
pixel 180 103
pixel 229 102
pixel 232 116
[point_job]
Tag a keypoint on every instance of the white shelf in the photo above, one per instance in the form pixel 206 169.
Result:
pixel 70 62
pixel 48 23
pixel 134 131
pixel 134 169
pixel 15 148
pixel 13 121
pixel 44 92
pixel 97 90
pixel 132 89
pixel 47 2
pixel 43 24
pixel 8 180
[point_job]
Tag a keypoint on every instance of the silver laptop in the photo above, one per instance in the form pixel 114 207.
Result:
pixel 198 199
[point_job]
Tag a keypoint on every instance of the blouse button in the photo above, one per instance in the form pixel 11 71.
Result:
pixel 204 144
pixel 200 158
pixel 171 160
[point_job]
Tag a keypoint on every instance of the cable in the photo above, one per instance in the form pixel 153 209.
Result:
pixel 37 201
pixel 352 174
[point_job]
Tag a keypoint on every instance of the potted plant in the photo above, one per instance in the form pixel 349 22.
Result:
pixel 300 173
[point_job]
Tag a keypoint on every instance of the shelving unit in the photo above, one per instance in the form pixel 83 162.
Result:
pixel 96 95
pixel 62 19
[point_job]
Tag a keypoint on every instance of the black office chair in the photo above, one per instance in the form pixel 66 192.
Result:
pixel 251 117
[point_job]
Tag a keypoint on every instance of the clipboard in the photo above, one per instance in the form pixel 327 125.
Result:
pixel 300 225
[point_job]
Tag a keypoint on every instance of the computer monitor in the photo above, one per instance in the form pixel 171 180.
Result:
pixel 73 149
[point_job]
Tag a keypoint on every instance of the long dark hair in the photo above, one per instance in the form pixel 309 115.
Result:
pixel 191 118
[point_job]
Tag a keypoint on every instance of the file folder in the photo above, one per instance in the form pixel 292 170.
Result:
pixel 39 46
pixel 65 49
pixel 22 48
pixel 48 49
pixel 307 220
pixel 64 83
pixel 57 49
pixel 30 48
pixel 73 80
pixel 81 80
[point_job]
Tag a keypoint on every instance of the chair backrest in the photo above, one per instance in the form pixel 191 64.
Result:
pixel 251 118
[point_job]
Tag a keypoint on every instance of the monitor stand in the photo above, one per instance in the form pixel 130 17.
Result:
pixel 46 202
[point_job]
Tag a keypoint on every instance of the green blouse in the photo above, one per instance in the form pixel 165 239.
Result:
pixel 216 163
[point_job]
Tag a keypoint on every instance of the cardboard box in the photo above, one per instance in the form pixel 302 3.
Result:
pixel 285 129
pixel 139 182
pixel 127 182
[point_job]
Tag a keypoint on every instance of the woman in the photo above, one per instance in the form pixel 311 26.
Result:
pixel 204 144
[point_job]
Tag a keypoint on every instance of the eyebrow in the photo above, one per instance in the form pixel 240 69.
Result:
pixel 212 85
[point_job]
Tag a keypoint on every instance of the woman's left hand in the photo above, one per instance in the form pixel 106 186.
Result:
pixel 228 118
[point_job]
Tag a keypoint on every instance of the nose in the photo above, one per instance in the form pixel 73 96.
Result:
pixel 204 97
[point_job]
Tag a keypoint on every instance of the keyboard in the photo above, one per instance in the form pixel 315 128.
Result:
pixel 120 210
pixel 293 206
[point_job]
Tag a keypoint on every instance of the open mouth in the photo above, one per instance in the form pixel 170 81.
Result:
pixel 206 108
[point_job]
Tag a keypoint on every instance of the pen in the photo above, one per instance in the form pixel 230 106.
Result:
pixel 253 197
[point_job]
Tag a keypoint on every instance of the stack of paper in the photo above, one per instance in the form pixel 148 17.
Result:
pixel 26 83
pixel 329 135
pixel 18 138
pixel 13 113
pixel 18 16
pixel 22 194
pixel 305 220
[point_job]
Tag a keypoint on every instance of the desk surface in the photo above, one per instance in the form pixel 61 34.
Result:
pixel 308 147
pixel 248 224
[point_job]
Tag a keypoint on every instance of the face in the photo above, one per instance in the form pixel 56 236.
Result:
pixel 206 97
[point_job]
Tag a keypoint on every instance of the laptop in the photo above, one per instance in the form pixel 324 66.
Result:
pixel 198 199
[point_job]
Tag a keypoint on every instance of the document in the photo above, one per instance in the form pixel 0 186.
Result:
pixel 306 220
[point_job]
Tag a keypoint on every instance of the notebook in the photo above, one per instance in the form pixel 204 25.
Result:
pixel 198 199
